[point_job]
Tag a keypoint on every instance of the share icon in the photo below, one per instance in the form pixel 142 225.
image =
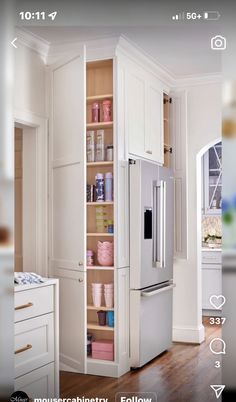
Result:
pixel 218 390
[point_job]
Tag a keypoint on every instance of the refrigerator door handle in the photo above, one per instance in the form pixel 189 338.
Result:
pixel 157 291
pixel 159 263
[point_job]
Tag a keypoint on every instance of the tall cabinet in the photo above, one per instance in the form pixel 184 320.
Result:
pixel 116 73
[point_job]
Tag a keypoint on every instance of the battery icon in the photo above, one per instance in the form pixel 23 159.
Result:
pixel 211 15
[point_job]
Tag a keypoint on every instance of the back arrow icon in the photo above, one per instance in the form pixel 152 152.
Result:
pixel 13 43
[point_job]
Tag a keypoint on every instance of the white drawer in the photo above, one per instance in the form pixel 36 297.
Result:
pixel 34 343
pixel 211 257
pixel 33 302
pixel 38 384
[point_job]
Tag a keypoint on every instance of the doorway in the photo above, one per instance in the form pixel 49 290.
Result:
pixel 31 194
pixel 209 190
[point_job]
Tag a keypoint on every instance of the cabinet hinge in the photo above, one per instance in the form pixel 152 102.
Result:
pixel 132 161
pixel 165 100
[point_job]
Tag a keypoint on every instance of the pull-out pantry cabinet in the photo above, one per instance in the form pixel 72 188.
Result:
pixel 111 71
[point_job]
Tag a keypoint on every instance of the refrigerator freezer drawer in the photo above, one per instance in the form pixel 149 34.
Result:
pixel 151 324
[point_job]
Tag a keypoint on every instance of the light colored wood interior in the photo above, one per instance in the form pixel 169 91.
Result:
pixel 100 78
pixel 99 88
pixel 18 199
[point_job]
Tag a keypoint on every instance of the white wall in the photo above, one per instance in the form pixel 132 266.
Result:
pixel 30 81
pixel 204 126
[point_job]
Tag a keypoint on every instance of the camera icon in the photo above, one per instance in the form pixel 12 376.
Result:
pixel 218 42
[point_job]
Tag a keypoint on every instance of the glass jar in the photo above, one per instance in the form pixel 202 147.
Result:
pixel 90 258
pixel 109 153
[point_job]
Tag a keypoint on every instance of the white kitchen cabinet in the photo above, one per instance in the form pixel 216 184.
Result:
pixel 154 141
pixel 144 114
pixel 211 279
pixel 121 74
pixel 37 339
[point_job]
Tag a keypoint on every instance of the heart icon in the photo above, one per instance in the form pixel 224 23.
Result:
pixel 217 301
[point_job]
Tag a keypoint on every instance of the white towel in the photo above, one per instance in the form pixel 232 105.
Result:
pixel 25 278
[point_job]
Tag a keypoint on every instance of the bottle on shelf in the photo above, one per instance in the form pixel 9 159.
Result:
pixel 110 226
pixel 95 112
pixel 100 189
pixel 90 258
pixel 100 149
pixel 109 153
pixel 90 146
pixel 108 186
pixel 106 108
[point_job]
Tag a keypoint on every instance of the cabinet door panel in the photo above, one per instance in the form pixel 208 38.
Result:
pixel 154 147
pixel 135 112
pixel 72 320
pixel 67 164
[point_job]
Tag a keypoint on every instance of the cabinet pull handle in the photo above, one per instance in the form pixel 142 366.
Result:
pixel 27 347
pixel 149 152
pixel 24 306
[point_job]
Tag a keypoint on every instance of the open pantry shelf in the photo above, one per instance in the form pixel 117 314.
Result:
pixel 103 308
pixel 100 204
pixel 99 268
pixel 102 163
pixel 99 97
pixel 100 125
pixel 100 234
pixel 99 327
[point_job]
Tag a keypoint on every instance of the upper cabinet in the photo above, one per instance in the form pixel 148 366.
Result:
pixel 144 114
pixel 212 162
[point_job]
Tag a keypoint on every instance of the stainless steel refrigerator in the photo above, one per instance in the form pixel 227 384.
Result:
pixel 151 260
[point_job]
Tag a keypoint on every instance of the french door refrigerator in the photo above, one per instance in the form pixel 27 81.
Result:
pixel 151 260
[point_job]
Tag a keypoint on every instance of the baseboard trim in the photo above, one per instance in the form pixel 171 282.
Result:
pixel 189 334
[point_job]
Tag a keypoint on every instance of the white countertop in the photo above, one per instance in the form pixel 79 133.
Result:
pixel 212 249
pixel 48 282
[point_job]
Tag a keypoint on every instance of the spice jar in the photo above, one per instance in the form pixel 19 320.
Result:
pixel 106 108
pixel 95 112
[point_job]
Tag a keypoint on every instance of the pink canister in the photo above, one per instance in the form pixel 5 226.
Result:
pixel 95 112
pixel 106 108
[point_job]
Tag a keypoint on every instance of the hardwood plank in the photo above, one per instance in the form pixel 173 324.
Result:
pixel 183 374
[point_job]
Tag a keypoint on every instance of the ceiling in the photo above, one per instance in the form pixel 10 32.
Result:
pixel 182 50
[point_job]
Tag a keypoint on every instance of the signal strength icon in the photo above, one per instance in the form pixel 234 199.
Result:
pixel 176 17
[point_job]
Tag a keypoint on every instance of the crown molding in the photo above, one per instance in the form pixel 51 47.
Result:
pixel 33 42
pixel 108 47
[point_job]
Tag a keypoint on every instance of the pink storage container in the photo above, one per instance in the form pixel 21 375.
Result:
pixel 103 350
pixel 106 107
pixel 95 112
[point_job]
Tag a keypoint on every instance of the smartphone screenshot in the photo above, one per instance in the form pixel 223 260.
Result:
pixel 117 201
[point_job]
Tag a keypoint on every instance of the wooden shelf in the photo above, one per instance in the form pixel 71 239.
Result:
pixel 102 163
pixel 99 97
pixel 100 234
pixel 103 308
pixel 102 124
pixel 95 204
pixel 99 268
pixel 95 326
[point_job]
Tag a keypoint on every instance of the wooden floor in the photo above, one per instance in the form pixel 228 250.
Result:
pixel 183 374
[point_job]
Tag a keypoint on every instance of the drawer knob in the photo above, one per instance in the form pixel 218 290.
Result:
pixel 80 263
pixel 24 306
pixel 27 347
pixel 81 280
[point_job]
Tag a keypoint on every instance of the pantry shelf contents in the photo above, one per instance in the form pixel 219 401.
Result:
pixel 100 220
